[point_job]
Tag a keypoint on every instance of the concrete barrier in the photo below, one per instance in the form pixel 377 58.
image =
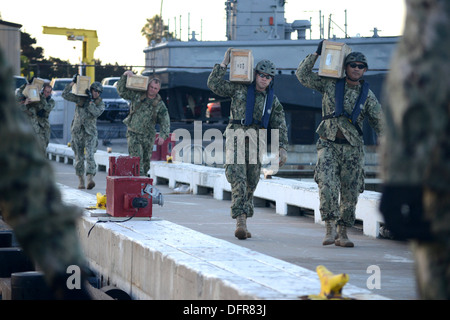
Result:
pixel 157 259
pixel 64 154
pixel 289 195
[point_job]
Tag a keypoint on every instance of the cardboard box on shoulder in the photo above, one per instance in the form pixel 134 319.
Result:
pixel 241 66
pixel 332 59
pixel 31 91
pixel 137 83
pixel 38 82
pixel 83 83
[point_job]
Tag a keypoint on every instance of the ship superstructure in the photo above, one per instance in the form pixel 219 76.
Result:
pixel 184 66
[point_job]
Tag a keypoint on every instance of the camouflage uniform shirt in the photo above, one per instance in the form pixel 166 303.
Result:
pixel 86 112
pixel 38 113
pixel 238 94
pixel 326 86
pixel 145 113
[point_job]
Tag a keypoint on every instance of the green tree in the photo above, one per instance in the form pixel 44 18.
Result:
pixel 33 63
pixel 55 68
pixel 155 30
pixel 108 70
pixel 29 54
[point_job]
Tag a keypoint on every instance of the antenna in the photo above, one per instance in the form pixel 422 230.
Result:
pixel 345 24
pixel 180 27
pixel 161 20
pixel 175 28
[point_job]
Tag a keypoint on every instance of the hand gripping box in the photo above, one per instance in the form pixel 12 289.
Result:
pixel 241 66
pixel 82 84
pixel 332 59
pixel 125 196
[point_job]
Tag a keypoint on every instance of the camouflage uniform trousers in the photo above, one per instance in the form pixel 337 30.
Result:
pixel 43 135
pixel 141 146
pixel 244 178
pixel 84 146
pixel 339 174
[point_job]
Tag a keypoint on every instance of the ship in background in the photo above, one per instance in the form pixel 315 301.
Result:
pixel 184 67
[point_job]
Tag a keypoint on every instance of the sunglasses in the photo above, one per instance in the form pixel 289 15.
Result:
pixel 267 76
pixel 359 66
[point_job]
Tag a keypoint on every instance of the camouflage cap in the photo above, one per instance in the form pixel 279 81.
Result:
pixel 356 57
pixel 266 66
pixel 97 86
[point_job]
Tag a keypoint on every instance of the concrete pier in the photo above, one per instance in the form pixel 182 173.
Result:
pixel 188 250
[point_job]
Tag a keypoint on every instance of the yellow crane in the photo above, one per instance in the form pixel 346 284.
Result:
pixel 90 43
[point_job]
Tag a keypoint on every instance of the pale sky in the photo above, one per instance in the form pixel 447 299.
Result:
pixel 119 23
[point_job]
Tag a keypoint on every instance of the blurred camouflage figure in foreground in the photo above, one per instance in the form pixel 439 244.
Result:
pixel 416 153
pixel 30 201
pixel 38 113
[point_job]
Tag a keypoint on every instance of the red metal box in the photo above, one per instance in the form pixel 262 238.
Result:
pixel 123 166
pixel 160 152
pixel 123 195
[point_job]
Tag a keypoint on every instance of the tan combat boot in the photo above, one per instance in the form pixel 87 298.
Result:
pixel 248 234
pixel 241 227
pixel 91 183
pixel 342 239
pixel 331 234
pixel 81 184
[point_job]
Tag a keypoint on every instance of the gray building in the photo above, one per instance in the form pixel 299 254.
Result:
pixel 10 44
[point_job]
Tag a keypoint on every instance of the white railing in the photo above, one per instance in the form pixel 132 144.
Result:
pixel 289 195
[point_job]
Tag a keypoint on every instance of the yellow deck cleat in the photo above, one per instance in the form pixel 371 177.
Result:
pixel 330 285
pixel 101 201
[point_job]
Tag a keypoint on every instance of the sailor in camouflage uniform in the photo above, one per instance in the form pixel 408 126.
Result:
pixel 84 130
pixel 244 177
pixel 147 109
pixel 38 113
pixel 339 171
pixel 30 201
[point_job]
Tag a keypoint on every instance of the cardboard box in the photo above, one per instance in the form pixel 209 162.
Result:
pixel 137 82
pixel 32 91
pixel 241 66
pixel 82 84
pixel 332 59
pixel 38 82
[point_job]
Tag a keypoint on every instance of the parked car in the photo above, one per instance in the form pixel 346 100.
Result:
pixel 58 85
pixel 20 81
pixel 116 108
pixel 110 81
pixel 213 110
